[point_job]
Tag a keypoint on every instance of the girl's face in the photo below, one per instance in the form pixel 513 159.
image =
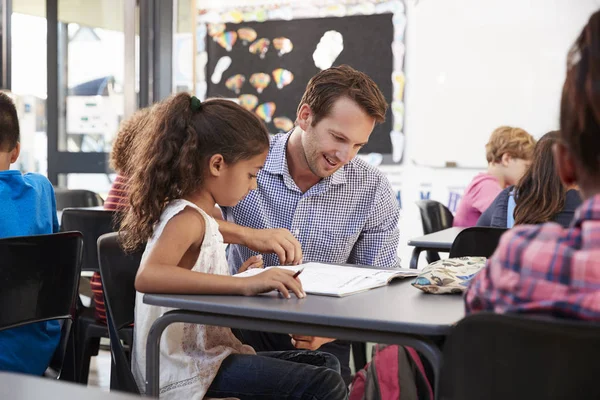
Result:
pixel 236 180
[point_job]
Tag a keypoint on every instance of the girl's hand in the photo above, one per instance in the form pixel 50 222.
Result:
pixel 252 262
pixel 274 279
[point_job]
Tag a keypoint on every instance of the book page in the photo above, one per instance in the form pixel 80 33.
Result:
pixel 337 280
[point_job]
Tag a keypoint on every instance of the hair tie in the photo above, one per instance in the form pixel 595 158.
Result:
pixel 195 103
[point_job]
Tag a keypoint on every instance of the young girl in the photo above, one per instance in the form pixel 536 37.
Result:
pixel 548 269
pixel 508 154
pixel 192 156
pixel 539 197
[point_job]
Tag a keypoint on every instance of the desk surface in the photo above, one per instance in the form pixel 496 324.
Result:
pixel 441 240
pixel 26 387
pixel 398 307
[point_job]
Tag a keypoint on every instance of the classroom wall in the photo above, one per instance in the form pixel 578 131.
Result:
pixel 471 65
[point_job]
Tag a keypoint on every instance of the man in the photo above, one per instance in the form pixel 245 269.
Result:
pixel 316 192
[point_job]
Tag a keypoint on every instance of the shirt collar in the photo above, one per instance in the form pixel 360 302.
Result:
pixel 589 210
pixel 277 162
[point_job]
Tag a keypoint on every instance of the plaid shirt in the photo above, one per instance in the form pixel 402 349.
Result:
pixel 349 217
pixel 544 269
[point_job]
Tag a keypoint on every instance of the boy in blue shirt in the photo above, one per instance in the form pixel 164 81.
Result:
pixel 28 208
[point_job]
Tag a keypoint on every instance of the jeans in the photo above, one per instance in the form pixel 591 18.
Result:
pixel 293 375
pixel 268 341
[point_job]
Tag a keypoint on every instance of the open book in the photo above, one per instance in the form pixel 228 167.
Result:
pixel 338 280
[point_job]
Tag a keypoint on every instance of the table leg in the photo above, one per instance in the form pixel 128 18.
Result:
pixel 414 260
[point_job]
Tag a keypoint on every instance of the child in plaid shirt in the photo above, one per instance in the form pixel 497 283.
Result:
pixel 546 268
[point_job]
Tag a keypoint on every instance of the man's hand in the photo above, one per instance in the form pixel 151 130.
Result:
pixel 252 262
pixel 278 241
pixel 309 342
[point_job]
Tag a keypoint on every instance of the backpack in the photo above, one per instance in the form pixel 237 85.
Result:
pixel 395 373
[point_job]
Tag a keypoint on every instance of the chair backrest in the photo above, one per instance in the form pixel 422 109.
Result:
pixel 118 270
pixel 76 198
pixel 435 216
pixel 93 224
pixel 477 242
pixel 39 280
pixel 491 356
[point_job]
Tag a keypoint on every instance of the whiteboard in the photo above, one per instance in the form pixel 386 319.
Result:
pixel 473 65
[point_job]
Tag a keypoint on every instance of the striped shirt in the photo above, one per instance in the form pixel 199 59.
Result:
pixel 350 217
pixel 544 269
pixel 117 199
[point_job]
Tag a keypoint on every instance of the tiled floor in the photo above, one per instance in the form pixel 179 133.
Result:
pixel 100 371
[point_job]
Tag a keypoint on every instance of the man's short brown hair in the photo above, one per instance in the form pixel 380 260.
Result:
pixel 515 142
pixel 344 81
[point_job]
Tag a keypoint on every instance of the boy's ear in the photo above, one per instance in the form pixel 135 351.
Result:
pixel 215 165
pixel 505 159
pixel 14 154
pixel 565 165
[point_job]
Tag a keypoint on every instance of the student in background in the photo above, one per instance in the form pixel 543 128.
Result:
pixel 539 197
pixel 547 268
pixel 508 154
pixel 28 208
pixel 118 199
pixel 193 156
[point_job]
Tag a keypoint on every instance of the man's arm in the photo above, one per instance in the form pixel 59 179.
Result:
pixel 377 244
pixel 278 241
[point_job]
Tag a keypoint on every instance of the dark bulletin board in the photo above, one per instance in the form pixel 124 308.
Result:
pixel 367 47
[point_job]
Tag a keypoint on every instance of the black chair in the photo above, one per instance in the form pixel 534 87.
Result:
pixel 118 271
pixel 435 217
pixel 39 278
pixel 490 356
pixel 88 332
pixel 477 242
pixel 76 198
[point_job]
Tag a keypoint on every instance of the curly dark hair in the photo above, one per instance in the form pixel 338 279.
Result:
pixel 580 104
pixel 169 159
pixel 123 145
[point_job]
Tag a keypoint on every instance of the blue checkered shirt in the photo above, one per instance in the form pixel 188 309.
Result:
pixel 350 217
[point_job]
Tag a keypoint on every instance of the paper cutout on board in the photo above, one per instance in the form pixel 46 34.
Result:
pixel 260 47
pixel 453 199
pixel 260 81
pixel 398 112
pixel 398 50
pixel 399 21
pixel 361 9
pixel 283 45
pixel 234 16
pixel 265 111
pixel 397 139
pixel 282 77
pixel 256 14
pixel 221 66
pixel 215 30
pixel 283 123
pixel 329 48
pixel 336 10
pixel 247 35
pixel 235 83
pixel 248 101
pixel 391 7
pixel 375 159
pixel 283 13
pixel 227 39
pixel 398 81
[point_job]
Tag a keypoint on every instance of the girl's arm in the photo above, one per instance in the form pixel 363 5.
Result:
pixel 167 268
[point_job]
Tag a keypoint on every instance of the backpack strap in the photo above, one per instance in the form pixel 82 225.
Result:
pixel 510 209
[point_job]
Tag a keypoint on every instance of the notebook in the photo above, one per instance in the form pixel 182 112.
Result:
pixel 338 280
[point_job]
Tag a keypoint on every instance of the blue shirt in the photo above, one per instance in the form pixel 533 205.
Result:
pixel 350 217
pixel 28 208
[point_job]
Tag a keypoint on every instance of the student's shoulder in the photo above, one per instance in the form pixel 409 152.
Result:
pixel 531 245
pixel 38 181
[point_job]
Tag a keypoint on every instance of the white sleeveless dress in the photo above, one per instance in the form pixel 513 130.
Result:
pixel 190 355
